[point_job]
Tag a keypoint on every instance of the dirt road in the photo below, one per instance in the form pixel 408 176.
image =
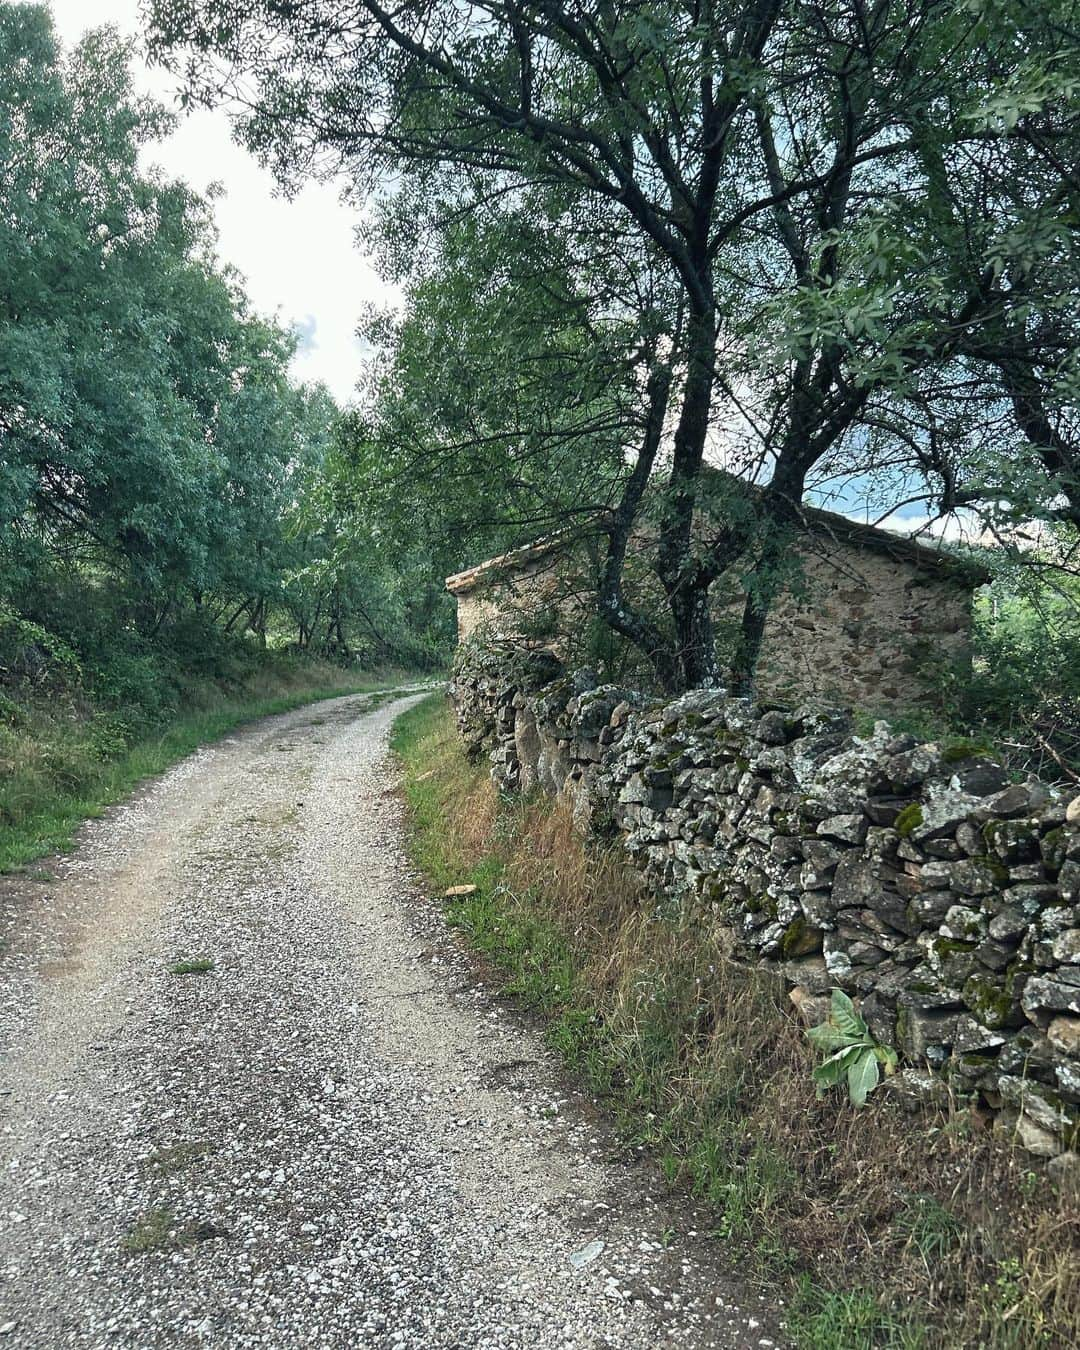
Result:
pixel 335 1137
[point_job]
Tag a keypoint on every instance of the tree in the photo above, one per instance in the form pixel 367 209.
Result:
pixel 524 394
pixel 635 105
pixel 784 162
pixel 153 449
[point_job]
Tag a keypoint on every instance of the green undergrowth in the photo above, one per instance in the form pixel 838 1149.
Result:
pixel 877 1228
pixel 64 758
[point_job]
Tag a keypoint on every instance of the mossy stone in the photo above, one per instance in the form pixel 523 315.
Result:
pixel 995 1001
pixel 989 1001
pixel 800 939
pixel 1052 847
pixel 962 749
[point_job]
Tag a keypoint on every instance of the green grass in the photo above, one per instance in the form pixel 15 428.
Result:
pixel 152 1232
pixel 819 1319
pixel 159 1231
pixel 628 1060
pixel 56 774
pixel 177 1157
pixel 195 965
pixel 931 1229
pixel 441 857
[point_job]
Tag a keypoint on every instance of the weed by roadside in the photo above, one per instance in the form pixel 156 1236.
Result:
pixel 159 1230
pixel 55 771
pixel 151 1232
pixel 195 965
pixel 176 1157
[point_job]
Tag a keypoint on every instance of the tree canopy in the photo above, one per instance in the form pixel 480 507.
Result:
pixel 828 245
pixel 153 441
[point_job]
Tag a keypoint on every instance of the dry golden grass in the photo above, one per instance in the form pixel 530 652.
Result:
pixel 895 1229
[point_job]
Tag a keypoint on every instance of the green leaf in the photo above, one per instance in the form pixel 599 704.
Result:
pixel 862 1076
pixel 834 1068
pixel 844 1016
pixel 827 1075
pixel 827 1037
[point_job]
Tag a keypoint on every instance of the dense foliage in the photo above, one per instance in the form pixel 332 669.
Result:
pixel 828 244
pixel 163 482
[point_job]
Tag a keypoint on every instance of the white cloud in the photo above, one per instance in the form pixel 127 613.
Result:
pixel 299 257
pixel 962 527
pixel 305 330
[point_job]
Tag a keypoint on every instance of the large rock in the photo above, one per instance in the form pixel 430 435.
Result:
pixel 844 780
pixel 846 829
pixel 1016 1127
pixel 973 876
pixel 527 746
pixel 1041 1103
pixel 1069 881
pixel 911 768
pixel 859 881
pixel 1045 995
pixel 942 813
pixel 1063 1034
pixel 1021 799
pixel 1066 946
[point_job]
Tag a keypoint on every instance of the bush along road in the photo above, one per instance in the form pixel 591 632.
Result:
pixel 252 1095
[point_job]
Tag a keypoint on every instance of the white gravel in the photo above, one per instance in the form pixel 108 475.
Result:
pixel 337 1137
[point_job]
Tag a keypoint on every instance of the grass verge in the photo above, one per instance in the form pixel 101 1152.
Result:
pixel 880 1227
pixel 59 764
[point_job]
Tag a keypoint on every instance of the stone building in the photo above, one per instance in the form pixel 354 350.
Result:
pixel 872 622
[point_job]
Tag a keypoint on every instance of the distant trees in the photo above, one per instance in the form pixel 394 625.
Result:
pixel 859 216
pixel 150 436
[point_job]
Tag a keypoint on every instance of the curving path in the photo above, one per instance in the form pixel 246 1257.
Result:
pixel 336 1137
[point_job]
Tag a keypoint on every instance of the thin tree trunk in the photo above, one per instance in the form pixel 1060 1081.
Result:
pixel 165 609
pixel 236 615
pixel 614 608
pixel 780 522
pixel 685 580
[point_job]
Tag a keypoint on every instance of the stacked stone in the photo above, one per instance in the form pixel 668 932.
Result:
pixel 914 875
pixel 488 685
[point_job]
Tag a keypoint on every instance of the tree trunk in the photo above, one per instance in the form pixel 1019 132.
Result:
pixel 685 580
pixel 229 626
pixel 781 519
pixel 1060 458
pixel 614 608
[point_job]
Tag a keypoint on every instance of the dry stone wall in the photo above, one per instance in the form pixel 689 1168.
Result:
pixel 872 621
pixel 916 876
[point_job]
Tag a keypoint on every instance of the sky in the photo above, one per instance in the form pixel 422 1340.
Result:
pixel 300 257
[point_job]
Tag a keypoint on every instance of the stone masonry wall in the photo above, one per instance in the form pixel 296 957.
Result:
pixel 943 897
pixel 866 629
pixel 870 626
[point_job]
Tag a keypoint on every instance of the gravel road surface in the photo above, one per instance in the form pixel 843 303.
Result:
pixel 336 1137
